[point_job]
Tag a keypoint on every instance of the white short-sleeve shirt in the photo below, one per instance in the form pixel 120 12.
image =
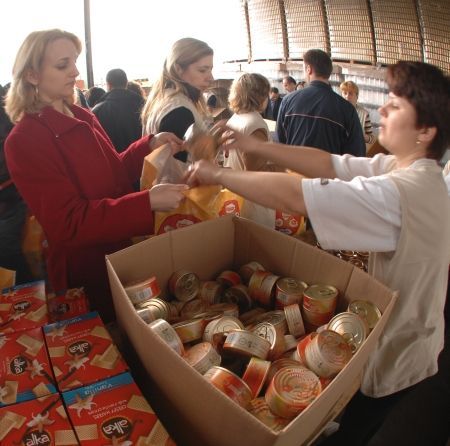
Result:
pixel 360 209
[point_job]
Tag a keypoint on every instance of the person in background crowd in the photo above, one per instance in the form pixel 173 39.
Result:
pixel 300 85
pixel 289 84
pixel 136 88
pixel 119 111
pixel 68 172
pixel 176 99
pixel 350 92
pixel 387 205
pixel 93 96
pixel 80 99
pixel 13 210
pixel 318 117
pixel 273 104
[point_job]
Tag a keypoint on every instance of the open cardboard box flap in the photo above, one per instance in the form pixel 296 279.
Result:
pixel 207 249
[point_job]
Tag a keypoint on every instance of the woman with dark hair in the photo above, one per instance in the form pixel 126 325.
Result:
pixel 93 96
pixel 396 207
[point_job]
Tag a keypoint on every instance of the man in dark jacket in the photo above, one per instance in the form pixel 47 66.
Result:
pixel 318 117
pixel 273 105
pixel 119 111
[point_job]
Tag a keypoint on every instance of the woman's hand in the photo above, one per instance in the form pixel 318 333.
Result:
pixel 166 197
pixel 166 138
pixel 233 140
pixel 203 172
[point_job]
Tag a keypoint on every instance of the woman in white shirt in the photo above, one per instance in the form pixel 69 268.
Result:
pixel 395 206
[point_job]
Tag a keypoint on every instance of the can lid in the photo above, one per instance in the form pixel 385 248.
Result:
pixel 367 310
pixel 351 327
pixel 321 291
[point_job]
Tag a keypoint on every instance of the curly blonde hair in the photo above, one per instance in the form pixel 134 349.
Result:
pixel 22 97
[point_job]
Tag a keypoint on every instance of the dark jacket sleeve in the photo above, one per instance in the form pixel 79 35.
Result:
pixel 356 144
pixel 281 133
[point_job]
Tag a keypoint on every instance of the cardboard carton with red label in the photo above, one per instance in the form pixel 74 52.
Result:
pixel 23 307
pixel 25 371
pixel 114 412
pixel 81 351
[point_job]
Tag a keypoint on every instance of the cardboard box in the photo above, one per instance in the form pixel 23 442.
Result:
pixel 81 351
pixel 209 417
pixel 25 371
pixel 114 412
pixel 42 421
pixel 23 307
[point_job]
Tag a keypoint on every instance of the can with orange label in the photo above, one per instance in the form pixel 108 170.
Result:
pixel 292 390
pixel 229 384
pixel 202 357
pixel 184 285
pixel 228 278
pixel 255 375
pixel 142 291
pixel 210 292
pixel 319 304
pixel 246 271
pixel 289 291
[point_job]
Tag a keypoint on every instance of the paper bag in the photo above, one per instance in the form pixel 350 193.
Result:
pixel 202 203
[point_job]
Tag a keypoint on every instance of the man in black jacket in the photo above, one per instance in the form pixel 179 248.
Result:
pixel 273 105
pixel 119 111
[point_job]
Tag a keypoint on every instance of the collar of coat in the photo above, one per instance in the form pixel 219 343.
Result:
pixel 60 123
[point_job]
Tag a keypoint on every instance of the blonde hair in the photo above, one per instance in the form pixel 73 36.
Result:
pixel 248 92
pixel 184 52
pixel 349 86
pixel 22 97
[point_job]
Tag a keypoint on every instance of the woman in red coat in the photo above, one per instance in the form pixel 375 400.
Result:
pixel 65 167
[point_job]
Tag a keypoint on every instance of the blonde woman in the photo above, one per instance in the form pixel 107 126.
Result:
pixel 68 172
pixel 176 99
pixel 248 99
pixel 350 92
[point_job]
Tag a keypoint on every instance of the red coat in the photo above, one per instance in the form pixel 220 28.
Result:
pixel 80 190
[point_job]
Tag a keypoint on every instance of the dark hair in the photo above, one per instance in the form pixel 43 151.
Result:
pixel 274 90
pixel 117 78
pixel 320 62
pixel 427 89
pixel 135 88
pixel 93 95
pixel 290 79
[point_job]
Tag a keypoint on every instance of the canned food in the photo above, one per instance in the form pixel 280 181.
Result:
pixel 227 309
pixel 229 384
pixel 277 318
pixel 146 315
pixel 159 309
pixel 246 343
pixel 246 271
pixel 259 409
pixel 255 284
pixel 190 330
pixel 345 254
pixel 291 390
pixel 319 303
pixel 327 353
pixel 249 317
pixel 268 331
pixel 210 292
pixel 351 327
pixel 238 294
pixel 294 320
pixel 184 285
pixel 289 291
pixel 228 278
pixel 223 325
pixel 142 291
pixel 255 375
pixel 278 365
pixel 358 263
pixel 168 334
pixel 208 316
pixel 266 294
pixel 290 342
pixel 192 308
pixel 367 310
pixel 202 357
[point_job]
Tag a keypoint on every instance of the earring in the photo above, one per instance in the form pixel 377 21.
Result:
pixel 418 142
